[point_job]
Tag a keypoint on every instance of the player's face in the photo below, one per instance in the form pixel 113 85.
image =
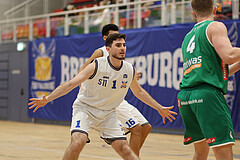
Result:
pixel 118 49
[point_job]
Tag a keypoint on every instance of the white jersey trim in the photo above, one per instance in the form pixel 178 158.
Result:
pixel 223 144
pixel 207 35
pixel 104 51
pixel 95 71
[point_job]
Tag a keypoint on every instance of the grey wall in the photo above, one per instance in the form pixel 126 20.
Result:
pixel 4 60
pixel 13 83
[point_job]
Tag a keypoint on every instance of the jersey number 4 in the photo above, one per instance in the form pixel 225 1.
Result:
pixel 191 45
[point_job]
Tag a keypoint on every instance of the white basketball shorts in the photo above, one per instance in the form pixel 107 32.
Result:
pixel 129 116
pixel 85 117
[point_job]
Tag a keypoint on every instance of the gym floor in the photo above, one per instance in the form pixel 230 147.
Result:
pixel 34 141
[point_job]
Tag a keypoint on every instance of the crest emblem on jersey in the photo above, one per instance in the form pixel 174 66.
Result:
pixel 124 84
pixel 125 76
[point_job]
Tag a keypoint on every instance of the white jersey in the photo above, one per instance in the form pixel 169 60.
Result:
pixel 108 86
pixel 104 51
pixel 126 111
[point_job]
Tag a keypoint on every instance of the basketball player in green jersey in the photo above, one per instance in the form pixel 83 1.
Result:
pixel 207 52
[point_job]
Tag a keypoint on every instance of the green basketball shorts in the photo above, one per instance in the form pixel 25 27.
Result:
pixel 206 115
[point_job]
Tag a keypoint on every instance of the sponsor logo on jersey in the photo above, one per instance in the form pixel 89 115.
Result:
pixel 191 64
pixel 187 139
pixel 211 140
pixel 224 70
pixel 179 103
pixel 193 101
pixel 197 27
pixel 106 77
pixel 124 84
pixel 125 76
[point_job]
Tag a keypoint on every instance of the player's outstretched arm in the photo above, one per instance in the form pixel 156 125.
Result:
pixel 217 34
pixel 142 95
pixel 96 54
pixel 63 89
pixel 233 68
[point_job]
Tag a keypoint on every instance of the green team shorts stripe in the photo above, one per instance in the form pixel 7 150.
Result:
pixel 206 115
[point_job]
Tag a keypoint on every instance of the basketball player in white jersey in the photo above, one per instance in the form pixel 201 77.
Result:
pixel 128 115
pixel 104 84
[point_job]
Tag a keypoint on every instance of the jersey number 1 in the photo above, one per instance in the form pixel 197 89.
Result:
pixel 78 124
pixel 114 84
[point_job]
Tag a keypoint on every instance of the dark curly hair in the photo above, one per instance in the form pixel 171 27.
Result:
pixel 114 37
pixel 109 27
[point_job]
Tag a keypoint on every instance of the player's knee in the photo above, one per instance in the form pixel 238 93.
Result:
pixel 125 149
pixel 147 128
pixel 121 146
pixel 78 140
pixel 137 130
pixel 223 152
pixel 201 154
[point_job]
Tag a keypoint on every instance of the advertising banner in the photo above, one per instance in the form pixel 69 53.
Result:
pixel 155 52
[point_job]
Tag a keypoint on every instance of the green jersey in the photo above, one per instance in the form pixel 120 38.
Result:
pixel 201 63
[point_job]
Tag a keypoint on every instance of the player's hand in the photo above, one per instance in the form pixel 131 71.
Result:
pixel 166 112
pixel 139 74
pixel 37 103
